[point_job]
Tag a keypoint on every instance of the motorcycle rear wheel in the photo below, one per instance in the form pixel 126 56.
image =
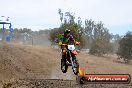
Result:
pixel 75 68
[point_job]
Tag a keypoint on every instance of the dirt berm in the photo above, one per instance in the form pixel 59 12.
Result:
pixel 26 66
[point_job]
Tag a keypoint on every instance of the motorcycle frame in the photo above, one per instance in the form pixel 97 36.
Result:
pixel 71 59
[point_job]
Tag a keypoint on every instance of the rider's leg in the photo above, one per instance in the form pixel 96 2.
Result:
pixel 64 53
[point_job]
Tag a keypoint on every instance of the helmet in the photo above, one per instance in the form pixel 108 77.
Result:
pixel 67 31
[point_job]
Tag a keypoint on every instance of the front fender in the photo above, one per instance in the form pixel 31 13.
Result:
pixel 74 52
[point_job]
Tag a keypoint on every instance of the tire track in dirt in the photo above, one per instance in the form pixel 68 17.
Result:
pixel 49 59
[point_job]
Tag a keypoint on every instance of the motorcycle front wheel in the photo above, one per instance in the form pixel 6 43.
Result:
pixel 64 66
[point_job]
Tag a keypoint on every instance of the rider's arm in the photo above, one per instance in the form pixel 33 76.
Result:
pixel 60 40
pixel 72 39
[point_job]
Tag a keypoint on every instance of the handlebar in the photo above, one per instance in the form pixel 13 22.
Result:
pixel 67 44
pixel 64 44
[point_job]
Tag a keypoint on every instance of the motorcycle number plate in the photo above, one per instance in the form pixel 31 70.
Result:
pixel 71 47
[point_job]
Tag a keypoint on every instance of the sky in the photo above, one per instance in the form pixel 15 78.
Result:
pixel 43 14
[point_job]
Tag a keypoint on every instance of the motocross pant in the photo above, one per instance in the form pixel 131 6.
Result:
pixel 64 51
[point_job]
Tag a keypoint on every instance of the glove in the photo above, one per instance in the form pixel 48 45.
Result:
pixel 60 43
pixel 77 43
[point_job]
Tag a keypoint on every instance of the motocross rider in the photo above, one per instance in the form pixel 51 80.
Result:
pixel 66 38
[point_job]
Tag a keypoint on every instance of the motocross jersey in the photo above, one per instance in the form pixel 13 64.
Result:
pixel 66 40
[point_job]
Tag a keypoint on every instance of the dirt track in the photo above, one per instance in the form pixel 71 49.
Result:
pixel 56 83
pixel 29 66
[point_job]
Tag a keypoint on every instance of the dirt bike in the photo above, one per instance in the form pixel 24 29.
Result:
pixel 70 60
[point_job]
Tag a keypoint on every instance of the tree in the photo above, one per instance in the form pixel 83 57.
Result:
pixel 99 38
pixel 61 14
pixel 54 34
pixel 68 22
pixel 115 42
pixel 125 47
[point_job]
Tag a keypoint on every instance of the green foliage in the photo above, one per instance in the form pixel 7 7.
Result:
pixel 100 47
pixel 125 47
pixel 68 23
pixel 115 42
pixel 98 38
pixel 24 30
pixel 46 31
pixel 18 32
pixel 54 34
pixel 94 35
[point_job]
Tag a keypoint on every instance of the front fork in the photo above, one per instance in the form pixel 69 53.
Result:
pixel 71 58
